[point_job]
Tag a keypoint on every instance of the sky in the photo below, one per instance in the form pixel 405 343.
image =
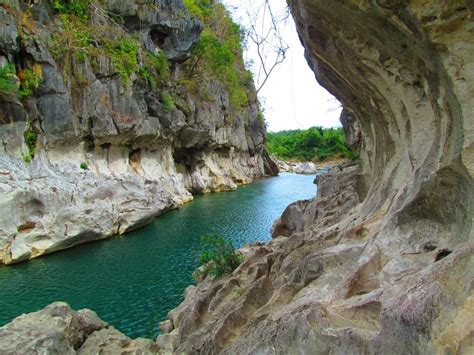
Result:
pixel 292 98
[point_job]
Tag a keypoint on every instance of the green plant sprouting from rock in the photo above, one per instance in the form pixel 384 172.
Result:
pixel 218 257
pixel 22 83
pixel 168 103
pixel 82 39
pixel 30 137
pixel 7 79
pixel 77 8
pixel 218 55
pixel 155 66
pixel 124 53
pixel 30 79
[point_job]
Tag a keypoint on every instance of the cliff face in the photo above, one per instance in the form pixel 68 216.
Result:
pixel 382 260
pixel 107 119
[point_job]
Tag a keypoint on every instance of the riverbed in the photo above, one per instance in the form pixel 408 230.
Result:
pixel 133 281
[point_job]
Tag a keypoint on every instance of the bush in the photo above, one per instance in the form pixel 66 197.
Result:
pixel 83 166
pixel 218 257
pixel 30 79
pixel 218 54
pixel 7 76
pixel 30 137
pixel 124 55
pixel 168 103
pixel 26 157
pixel 198 8
pixel 77 8
pixel 79 40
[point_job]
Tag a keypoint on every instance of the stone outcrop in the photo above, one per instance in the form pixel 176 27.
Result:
pixel 382 260
pixel 111 150
pixel 57 329
pixel 307 167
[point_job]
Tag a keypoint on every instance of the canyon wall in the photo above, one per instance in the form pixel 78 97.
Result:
pixel 109 117
pixel 382 260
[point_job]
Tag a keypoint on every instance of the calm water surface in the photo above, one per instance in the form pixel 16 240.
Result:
pixel 133 281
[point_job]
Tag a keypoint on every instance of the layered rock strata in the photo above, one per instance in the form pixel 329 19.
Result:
pixel 382 260
pixel 112 147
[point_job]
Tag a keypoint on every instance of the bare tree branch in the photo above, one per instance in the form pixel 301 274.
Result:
pixel 264 32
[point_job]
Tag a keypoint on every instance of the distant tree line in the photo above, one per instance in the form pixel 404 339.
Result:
pixel 315 143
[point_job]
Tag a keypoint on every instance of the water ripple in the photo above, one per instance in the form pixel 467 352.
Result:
pixel 132 282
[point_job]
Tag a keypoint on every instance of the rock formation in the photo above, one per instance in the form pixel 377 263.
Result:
pixel 57 329
pixel 382 260
pixel 306 167
pixel 106 131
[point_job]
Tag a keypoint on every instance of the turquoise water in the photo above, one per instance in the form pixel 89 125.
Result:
pixel 133 281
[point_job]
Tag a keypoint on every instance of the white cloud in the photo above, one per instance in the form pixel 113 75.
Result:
pixel 292 97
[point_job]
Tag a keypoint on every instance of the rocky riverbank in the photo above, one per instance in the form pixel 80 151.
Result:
pixel 57 329
pixel 382 260
pixel 306 167
pixel 109 135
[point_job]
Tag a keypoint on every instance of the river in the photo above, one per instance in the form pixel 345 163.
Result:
pixel 133 281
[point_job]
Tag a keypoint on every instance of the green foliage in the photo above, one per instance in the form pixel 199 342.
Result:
pixel 80 40
pixel 313 143
pixel 147 74
pixel 218 54
pixel 83 166
pixel 77 8
pixel 7 76
pixel 26 157
pixel 30 79
pixel 74 41
pixel 155 67
pixel 30 138
pixel 124 53
pixel 198 8
pixel 167 99
pixel 218 257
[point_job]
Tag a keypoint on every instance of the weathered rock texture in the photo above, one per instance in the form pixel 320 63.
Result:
pixel 143 155
pixel 382 260
pixel 307 167
pixel 57 329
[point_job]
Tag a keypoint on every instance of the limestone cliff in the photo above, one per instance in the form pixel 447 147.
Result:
pixel 382 260
pixel 109 116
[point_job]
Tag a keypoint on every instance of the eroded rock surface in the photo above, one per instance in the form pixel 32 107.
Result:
pixel 382 260
pixel 57 329
pixel 110 152
pixel 306 167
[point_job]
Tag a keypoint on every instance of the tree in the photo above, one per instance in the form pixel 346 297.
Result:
pixel 262 30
